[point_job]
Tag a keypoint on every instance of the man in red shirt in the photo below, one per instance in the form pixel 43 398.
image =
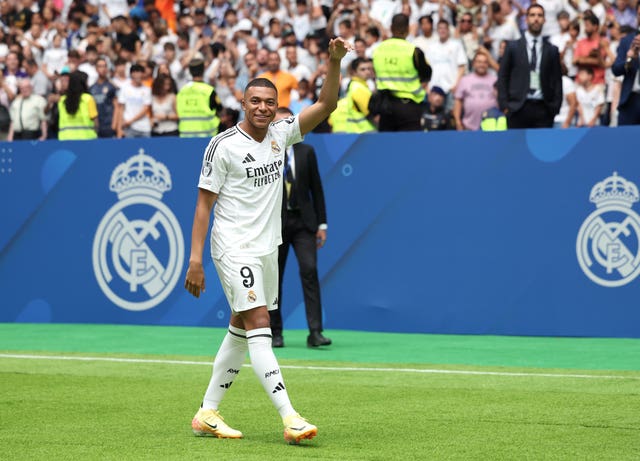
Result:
pixel 589 51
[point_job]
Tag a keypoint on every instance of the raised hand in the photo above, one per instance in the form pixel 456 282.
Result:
pixel 338 48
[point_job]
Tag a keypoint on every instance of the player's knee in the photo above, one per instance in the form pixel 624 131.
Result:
pixel 256 318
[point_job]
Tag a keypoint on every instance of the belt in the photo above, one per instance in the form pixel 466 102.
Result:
pixel 26 134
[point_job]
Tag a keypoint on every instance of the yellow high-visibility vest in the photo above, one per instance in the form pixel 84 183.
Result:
pixel 196 118
pixel 357 122
pixel 395 71
pixel 79 125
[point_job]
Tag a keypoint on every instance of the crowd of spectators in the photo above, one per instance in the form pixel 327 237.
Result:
pixel 125 46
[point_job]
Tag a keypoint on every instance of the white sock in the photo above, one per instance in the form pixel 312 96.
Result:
pixel 266 367
pixel 226 366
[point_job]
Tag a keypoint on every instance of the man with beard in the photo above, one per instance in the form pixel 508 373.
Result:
pixel 530 77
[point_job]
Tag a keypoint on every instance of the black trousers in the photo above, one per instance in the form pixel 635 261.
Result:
pixel 295 234
pixel 404 115
pixel 533 114
pixel 629 114
pixel 166 133
pixel 106 133
pixel 27 134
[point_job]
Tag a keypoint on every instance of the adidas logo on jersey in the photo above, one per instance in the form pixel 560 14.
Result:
pixel 248 159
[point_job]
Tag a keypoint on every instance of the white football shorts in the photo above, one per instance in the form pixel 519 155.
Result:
pixel 249 281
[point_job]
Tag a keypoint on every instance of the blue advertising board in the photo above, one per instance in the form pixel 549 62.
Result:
pixel 524 232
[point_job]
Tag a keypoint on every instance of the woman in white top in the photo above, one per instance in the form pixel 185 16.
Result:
pixel 163 107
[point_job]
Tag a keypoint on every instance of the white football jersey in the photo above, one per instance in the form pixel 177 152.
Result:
pixel 247 176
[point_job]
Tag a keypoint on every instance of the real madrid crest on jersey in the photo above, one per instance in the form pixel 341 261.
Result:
pixel 138 248
pixel 608 244
pixel 275 148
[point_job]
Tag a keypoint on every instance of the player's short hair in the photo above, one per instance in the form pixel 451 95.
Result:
pixel 261 82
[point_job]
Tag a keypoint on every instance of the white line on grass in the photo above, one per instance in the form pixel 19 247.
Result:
pixel 310 367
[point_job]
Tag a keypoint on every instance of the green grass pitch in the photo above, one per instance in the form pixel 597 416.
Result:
pixel 65 393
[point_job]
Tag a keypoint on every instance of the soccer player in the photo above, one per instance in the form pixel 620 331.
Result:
pixel 242 172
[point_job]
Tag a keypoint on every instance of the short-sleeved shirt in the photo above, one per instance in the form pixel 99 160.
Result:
pixel 114 7
pixel 284 82
pixel 583 48
pixel 247 176
pixel 135 98
pixel 568 87
pixel 589 100
pixel 28 113
pixel 445 59
pixel 477 95
pixel 508 30
pixel 104 95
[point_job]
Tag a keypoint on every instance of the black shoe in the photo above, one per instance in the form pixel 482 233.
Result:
pixel 316 339
pixel 277 341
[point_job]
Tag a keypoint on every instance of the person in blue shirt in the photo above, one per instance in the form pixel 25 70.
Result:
pixel 104 93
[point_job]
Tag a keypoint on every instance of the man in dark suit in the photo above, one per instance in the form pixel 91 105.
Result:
pixel 530 77
pixel 626 64
pixel 305 228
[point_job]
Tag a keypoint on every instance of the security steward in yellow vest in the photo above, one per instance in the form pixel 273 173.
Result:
pixel 83 122
pixel 197 105
pixel 402 74
pixel 352 114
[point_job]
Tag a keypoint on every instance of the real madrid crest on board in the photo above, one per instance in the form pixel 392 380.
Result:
pixel 608 244
pixel 138 248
